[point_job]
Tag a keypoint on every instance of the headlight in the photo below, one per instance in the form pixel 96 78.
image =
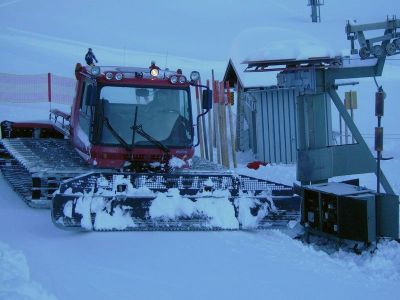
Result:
pixel 118 76
pixel 194 76
pixel 109 75
pixel 173 79
pixel 95 71
pixel 154 72
pixel 182 79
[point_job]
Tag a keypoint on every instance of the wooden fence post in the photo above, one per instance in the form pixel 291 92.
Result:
pixel 216 135
pixel 223 132
pixel 231 129
pixel 210 131
pixel 49 87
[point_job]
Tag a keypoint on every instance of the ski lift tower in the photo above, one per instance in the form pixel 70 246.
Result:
pixel 316 10
pixel 317 159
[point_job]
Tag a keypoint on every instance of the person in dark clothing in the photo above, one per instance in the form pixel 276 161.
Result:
pixel 89 57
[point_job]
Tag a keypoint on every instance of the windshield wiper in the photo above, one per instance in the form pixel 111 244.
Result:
pixel 116 135
pixel 139 130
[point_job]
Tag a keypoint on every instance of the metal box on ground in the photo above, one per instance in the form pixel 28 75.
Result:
pixel 349 212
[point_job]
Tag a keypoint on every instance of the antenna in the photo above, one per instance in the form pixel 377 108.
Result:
pixel 124 63
pixel 166 60
pixel 316 10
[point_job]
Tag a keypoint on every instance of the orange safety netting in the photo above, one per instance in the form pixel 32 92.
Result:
pixel 36 88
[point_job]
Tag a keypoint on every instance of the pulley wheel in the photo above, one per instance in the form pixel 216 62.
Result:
pixel 378 51
pixel 364 52
pixel 390 49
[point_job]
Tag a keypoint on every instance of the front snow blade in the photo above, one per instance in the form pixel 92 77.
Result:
pixel 124 201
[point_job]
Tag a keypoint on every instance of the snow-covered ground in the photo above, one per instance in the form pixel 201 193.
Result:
pixel 179 265
pixel 39 261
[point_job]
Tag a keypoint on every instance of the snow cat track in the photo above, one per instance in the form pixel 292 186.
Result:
pixel 89 198
pixel 36 167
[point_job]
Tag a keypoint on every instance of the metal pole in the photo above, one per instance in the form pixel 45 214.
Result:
pixel 203 126
pixel 358 137
pixel 352 117
pixel 199 124
pixel 319 11
pixel 379 107
pixel 378 165
pixel 340 130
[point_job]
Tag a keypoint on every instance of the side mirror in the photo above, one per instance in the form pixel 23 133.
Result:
pixel 207 99
pixel 142 93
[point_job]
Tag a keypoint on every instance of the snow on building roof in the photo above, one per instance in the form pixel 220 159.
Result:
pixel 235 72
pixel 274 43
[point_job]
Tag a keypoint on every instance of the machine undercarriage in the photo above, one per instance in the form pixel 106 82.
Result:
pixel 203 197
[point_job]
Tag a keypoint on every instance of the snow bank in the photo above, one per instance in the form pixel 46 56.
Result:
pixel 272 43
pixel 15 281
pixel 382 264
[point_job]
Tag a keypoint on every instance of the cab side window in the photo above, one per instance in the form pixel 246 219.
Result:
pixel 86 107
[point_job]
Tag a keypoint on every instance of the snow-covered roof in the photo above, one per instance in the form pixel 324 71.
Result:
pixel 235 71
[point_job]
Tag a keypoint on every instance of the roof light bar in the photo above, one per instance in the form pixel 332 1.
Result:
pixel 95 71
pixel 154 72
pixel 182 79
pixel 195 76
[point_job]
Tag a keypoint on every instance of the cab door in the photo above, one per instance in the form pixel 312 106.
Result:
pixel 83 130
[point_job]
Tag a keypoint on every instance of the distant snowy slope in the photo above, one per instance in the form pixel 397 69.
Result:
pixel 59 55
pixel 51 36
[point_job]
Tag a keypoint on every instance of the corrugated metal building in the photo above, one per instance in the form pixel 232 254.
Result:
pixel 266 115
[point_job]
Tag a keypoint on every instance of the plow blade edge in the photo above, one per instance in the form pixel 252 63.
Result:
pixel 134 201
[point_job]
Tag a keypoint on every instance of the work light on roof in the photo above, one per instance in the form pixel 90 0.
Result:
pixel 154 72
pixel 95 71
pixel 118 76
pixel 182 79
pixel 109 75
pixel 173 79
pixel 195 76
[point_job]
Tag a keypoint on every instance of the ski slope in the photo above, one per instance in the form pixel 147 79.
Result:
pixel 39 261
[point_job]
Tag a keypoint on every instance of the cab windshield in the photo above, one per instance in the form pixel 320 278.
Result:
pixel 163 113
